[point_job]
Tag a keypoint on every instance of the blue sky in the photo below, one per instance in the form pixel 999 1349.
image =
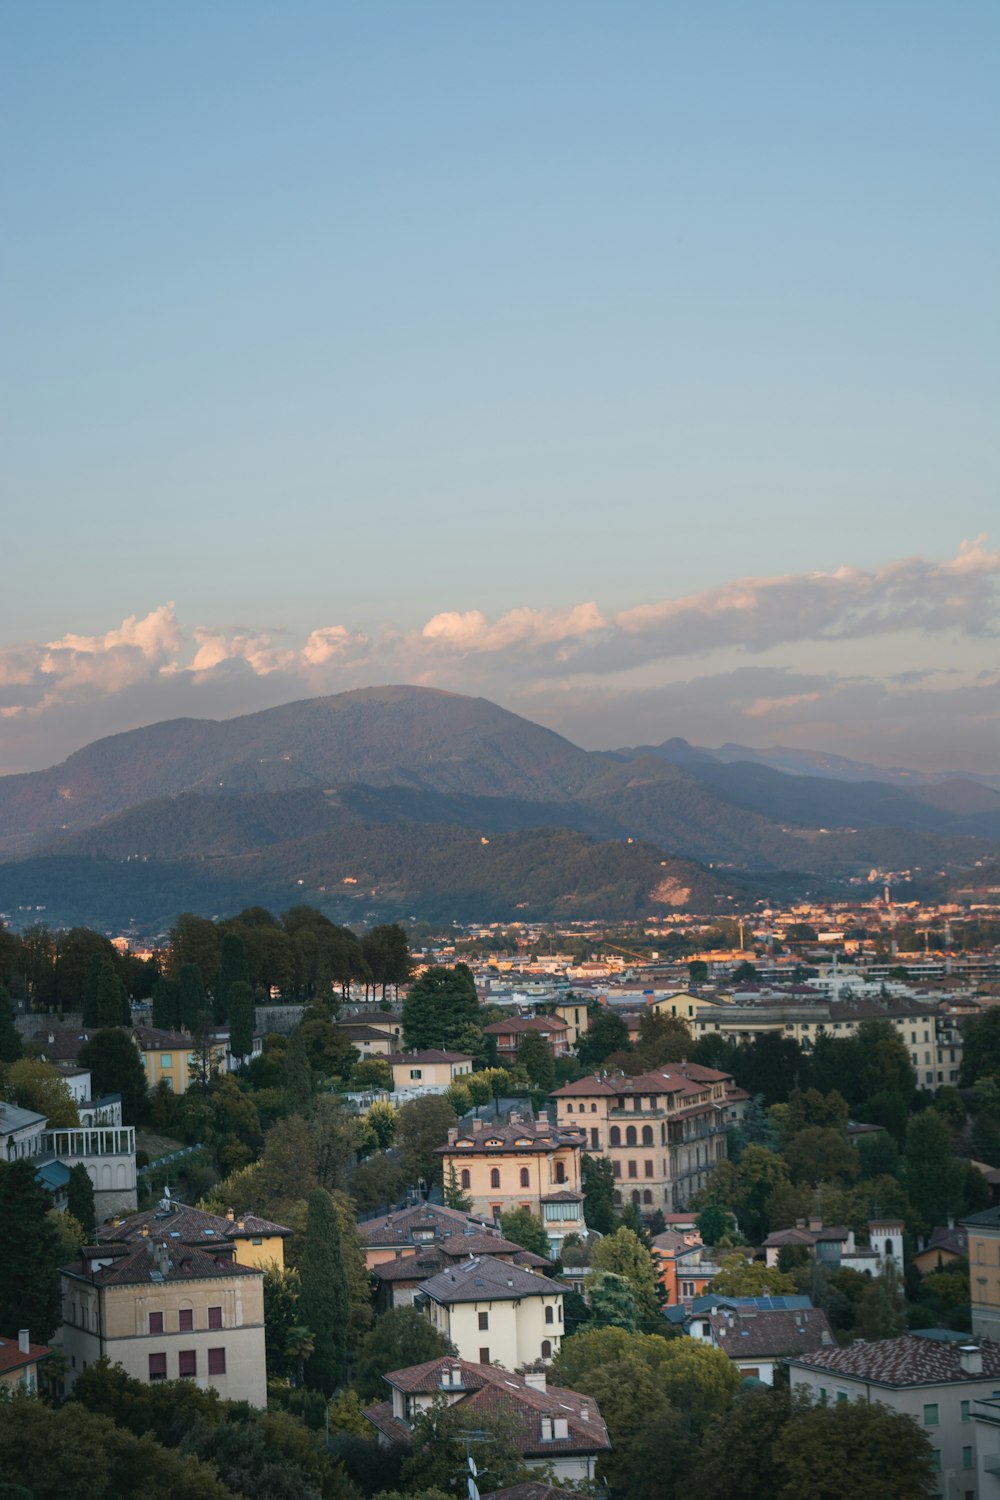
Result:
pixel 355 316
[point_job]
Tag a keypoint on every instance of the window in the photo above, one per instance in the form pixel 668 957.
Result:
pixel 593 1109
pixel 569 1109
pixel 964 1407
pixel 484 1356
pixel 616 1168
pixel 215 1317
pixel 967 1458
pixel 841 1395
pixel 185 1320
pixel 169 1083
pixel 633 1169
pixel 187 1364
pixel 936 1460
pixel 217 1361
pixel 550 1315
pixel 466 1178
pixel 647 1197
pixel 560 1172
pixel 615 1136
pixel 494 1177
pixel 647 1168
pixel 416 1073
pixel 156 1322
pixel 525 1178
pixel 495 1210
pixel 630 1136
pixel 595 1137
pixel 635 1195
pixel 647 1135
pixel 931 1414
pixel 484 1320
pixel 546 1349
pixel 822 1395
pixel 167 1060
pixel 157 1367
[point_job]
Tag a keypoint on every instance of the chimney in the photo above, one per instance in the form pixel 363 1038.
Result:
pixel 452 1135
pixel 24 1343
pixel 970 1357
pixel 535 1380
pixel 230 1215
pixel 585 1412
pixel 815 1225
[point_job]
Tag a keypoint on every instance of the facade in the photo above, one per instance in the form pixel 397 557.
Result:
pixel 107 1152
pixel 247 1239
pixel 19 1361
pixel 398 1281
pixel 937 1382
pixel 427 1072
pixel 943 1246
pixel 409 1230
pixel 166 1312
pixel 575 1012
pixel 757 1339
pixel 173 1057
pixel 520 1165
pixel 555 1429
pixel 983 1230
pixel 367 1041
pixel 493 1312
pixel 509 1032
pixel 663 1131
pixel 835 1245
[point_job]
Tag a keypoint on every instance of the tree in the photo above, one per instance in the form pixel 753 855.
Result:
pixel 10 1039
pixel 195 940
pixel 440 1008
pixel 662 1039
pixel 606 1033
pixel 737 1456
pixel 853 1450
pixel 535 1056
pixel 739 1277
pixel 79 953
pixel 422 1127
pixel 232 970
pixel 111 1001
pixel 324 1301
pixel 760 1172
pixel 377 1182
pixel 438 1451
pixel 525 1229
pixel 116 1068
pixel 455 1195
pixel 80 1198
pixel 167 1003
pixel 820 1154
pixel 387 954
pixel 372 1073
pixel 884 1062
pixel 624 1254
pixel 697 971
pixel 192 1001
pixel 599 1193
pixel 714 1224
pixel 382 1118
pixel 882 1305
pixel 241 1018
pixel 613 1303
pixel 41 1087
pixel 934 1177
pixel 29 1286
pixel 298 1075
pixel 401 1337
pixel 281 1314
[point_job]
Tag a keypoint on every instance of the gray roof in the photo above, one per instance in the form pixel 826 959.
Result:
pixel 12 1117
pixel 749 1334
pixel 484 1279
pixel 904 1361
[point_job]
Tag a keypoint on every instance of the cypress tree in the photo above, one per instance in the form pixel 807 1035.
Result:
pixel 29 1285
pixel 192 1002
pixel 110 996
pixel 232 970
pixel 324 1301
pixel 90 991
pixel 80 1201
pixel 167 1004
pixel 298 1075
pixel 241 1019
pixel 10 1040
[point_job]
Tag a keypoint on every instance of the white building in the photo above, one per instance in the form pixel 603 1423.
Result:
pixel 493 1312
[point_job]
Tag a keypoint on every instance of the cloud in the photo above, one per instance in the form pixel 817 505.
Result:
pixel 575 665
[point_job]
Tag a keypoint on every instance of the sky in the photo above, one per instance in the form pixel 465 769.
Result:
pixel 634 365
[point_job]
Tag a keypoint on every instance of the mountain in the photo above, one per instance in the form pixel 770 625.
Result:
pixel 410 801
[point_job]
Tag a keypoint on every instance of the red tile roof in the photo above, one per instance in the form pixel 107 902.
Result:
pixel 12 1357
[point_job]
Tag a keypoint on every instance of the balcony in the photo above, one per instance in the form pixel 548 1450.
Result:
pixel 618 1113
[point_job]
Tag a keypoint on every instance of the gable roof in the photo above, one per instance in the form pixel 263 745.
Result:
pixel 401 1226
pixel 190 1226
pixel 523 1135
pixel 485 1279
pixel 748 1333
pixel 13 1357
pixel 904 1361
pixel 430 1055
pixel 151 1262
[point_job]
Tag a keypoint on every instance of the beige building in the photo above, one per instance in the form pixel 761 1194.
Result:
pixel 431 1071
pixel 248 1239
pixel 166 1312
pixel 19 1361
pixel 576 1013
pixel 556 1430
pixel 519 1165
pixel 406 1231
pixel 983 1230
pixel 493 1312
pixel 663 1131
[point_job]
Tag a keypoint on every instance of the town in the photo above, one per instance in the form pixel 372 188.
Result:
pixel 584 1209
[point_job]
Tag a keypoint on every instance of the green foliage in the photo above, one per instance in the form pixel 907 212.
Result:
pixel 934 1176
pixel 440 1008
pixel 437 1458
pixel 111 1003
pixel 167 1004
pixel 624 1254
pixel 80 1198
pixel 878 1155
pixel 372 1073
pixel 281 1314
pixel 599 1193
pixel 715 1225
pixel 853 1450
pixel 192 999
pixel 382 1118
pixel 29 1286
pixel 377 1182
pixel 524 1228
pixel 10 1040
pixel 739 1277
pixel 662 1039
pixel 821 1154
pixel 323 1296
pixel 534 1055
pixel 737 1456
pixel 387 954
pixel 401 1337
pixel 606 1033
pixel 40 1086
pixel 298 1075
pixel 422 1127
pixel 116 1068
pixel 613 1302
pixel 232 970
pixel 239 1000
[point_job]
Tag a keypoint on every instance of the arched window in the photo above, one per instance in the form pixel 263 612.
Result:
pixel 466 1178
pixel 615 1137
pixel 888 1247
pixel 495 1177
pixel 550 1315
pixel 593 1109
pixel 647 1196
pixel 647 1135
pixel 618 1198
pixel 630 1136
pixel 635 1195
pixel 560 1172
pixel 525 1178
pixel 546 1348
pixel 569 1109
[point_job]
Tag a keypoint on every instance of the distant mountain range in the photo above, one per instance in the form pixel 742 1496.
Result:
pixel 411 801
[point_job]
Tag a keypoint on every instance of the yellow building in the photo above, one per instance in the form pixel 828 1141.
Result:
pixel 495 1313
pixel 432 1070
pixel 521 1165
pixel 165 1311
pixel 19 1360
pixel 245 1238
pixel 173 1057
pixel 576 1014
pixel 685 1005
pixel 983 1230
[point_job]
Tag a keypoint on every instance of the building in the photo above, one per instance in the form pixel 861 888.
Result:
pixel 663 1131
pixel 510 1032
pixel 983 1230
pixel 19 1361
pixel 944 1246
pixel 555 1429
pixel 367 1041
pixel 694 1318
pixel 248 1239
pixel 519 1165
pixel 107 1152
pixel 937 1382
pixel 166 1311
pixel 406 1231
pixel 835 1246
pixel 493 1312
pixel 428 1072
pixel 573 1009
pixel 176 1060
pixel 758 1339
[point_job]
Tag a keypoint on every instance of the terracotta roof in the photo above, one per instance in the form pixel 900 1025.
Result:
pixel 535 1138
pixel 485 1279
pixel 141 1264
pixel 363 1033
pixel 904 1361
pixel 526 1023
pixel 191 1226
pixel 752 1335
pixel 431 1055
pixel 398 1228
pixel 12 1357
pixel 487 1388
pixel 672 1078
pixel 438 1255
pixel 381 1416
